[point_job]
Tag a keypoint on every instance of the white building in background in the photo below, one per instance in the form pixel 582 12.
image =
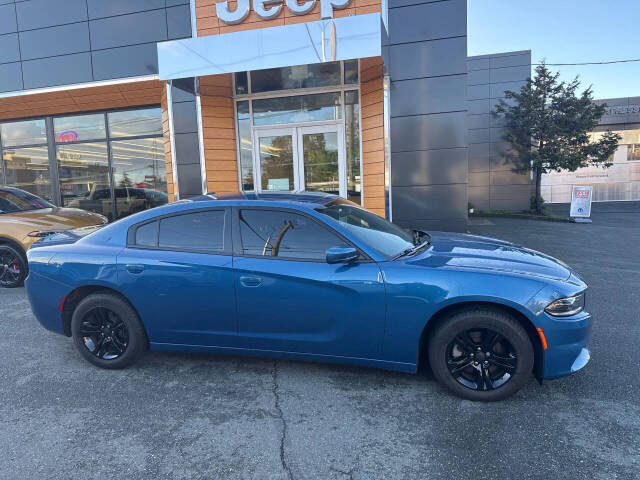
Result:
pixel 619 182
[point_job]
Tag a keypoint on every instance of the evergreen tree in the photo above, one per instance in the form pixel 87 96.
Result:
pixel 548 124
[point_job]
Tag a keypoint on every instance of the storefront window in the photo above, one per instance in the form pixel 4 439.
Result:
pixel 300 76
pixel 79 128
pixel 351 72
pixel 246 145
pixel 135 123
pixel 297 109
pixel 139 175
pixel 83 171
pixel 242 83
pixel 28 169
pixel 352 135
pixel 30 132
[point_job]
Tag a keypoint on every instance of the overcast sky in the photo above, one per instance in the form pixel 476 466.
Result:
pixel 565 31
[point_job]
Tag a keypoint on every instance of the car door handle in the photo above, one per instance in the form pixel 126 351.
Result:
pixel 131 268
pixel 250 281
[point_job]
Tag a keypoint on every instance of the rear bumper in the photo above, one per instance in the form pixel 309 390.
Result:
pixel 45 296
pixel 567 340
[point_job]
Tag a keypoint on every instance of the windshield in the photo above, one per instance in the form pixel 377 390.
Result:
pixel 15 200
pixel 380 234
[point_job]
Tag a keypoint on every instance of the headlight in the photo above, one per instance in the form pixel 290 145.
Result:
pixel 565 307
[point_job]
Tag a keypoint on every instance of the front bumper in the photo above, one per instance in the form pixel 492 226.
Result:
pixel 567 340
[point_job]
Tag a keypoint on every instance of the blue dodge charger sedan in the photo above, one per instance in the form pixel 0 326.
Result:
pixel 311 277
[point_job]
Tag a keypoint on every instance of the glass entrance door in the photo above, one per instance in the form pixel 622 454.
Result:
pixel 301 158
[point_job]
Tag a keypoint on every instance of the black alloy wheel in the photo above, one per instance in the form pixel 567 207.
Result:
pixel 481 359
pixel 104 333
pixel 107 331
pixel 481 353
pixel 13 267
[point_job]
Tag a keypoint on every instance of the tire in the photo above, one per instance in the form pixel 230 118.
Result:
pixel 492 371
pixel 13 267
pixel 107 332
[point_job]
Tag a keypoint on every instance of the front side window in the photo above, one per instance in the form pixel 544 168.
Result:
pixel 201 231
pixel 12 201
pixel 271 233
pixel 375 231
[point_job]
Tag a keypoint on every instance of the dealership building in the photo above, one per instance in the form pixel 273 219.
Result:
pixel 116 106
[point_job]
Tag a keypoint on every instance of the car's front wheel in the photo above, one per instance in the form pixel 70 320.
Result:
pixel 107 331
pixel 481 354
pixel 13 267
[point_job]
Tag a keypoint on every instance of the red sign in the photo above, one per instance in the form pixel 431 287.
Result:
pixel 582 193
pixel 67 136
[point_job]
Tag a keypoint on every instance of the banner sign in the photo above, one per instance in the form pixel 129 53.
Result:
pixel 581 202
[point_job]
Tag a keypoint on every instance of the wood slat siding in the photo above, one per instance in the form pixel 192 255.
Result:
pixel 166 135
pixel 371 91
pixel 219 133
pixel 82 100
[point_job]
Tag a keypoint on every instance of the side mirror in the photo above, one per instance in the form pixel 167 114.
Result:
pixel 342 254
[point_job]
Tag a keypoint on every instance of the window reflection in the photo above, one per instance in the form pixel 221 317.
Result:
pixel 135 123
pixel 79 128
pixel 139 175
pixel 83 170
pixel 300 76
pixel 30 132
pixel 246 145
pixel 352 135
pixel 296 109
pixel 28 169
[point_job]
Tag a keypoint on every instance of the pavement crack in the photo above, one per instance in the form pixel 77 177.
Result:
pixel 283 436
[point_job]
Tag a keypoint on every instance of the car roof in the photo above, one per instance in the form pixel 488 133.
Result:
pixel 311 199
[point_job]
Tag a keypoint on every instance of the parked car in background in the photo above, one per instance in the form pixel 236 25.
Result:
pixel 312 277
pixel 129 200
pixel 24 219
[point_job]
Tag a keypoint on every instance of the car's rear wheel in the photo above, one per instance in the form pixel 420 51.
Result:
pixel 481 354
pixel 107 331
pixel 13 267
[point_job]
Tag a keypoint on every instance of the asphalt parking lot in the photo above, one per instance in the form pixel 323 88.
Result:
pixel 175 416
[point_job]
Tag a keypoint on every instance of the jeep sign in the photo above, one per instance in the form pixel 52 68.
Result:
pixel 268 9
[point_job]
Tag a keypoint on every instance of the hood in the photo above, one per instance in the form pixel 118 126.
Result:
pixel 457 250
pixel 53 219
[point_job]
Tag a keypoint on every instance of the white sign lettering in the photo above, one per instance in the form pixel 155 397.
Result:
pixel 622 109
pixel 269 9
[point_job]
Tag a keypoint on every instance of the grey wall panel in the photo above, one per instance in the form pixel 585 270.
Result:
pixel 173 3
pixel 404 3
pixel 478 77
pixel 428 21
pixel 47 13
pixel 3 2
pixel 8 19
pixel 432 202
pixel 428 59
pixel 179 22
pixel 10 77
pixel 110 8
pixel 66 69
pixel 482 120
pixel 428 95
pixel 428 132
pixel 509 74
pixel 125 61
pixel 183 90
pixel 185 117
pixel 130 29
pixel 187 149
pixel 52 41
pixel 478 163
pixel 478 179
pixel 9 48
pixel 190 178
pixel 490 76
pixel 429 167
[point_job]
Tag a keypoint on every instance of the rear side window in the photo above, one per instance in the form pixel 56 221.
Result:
pixel 147 235
pixel 193 231
pixel 285 235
